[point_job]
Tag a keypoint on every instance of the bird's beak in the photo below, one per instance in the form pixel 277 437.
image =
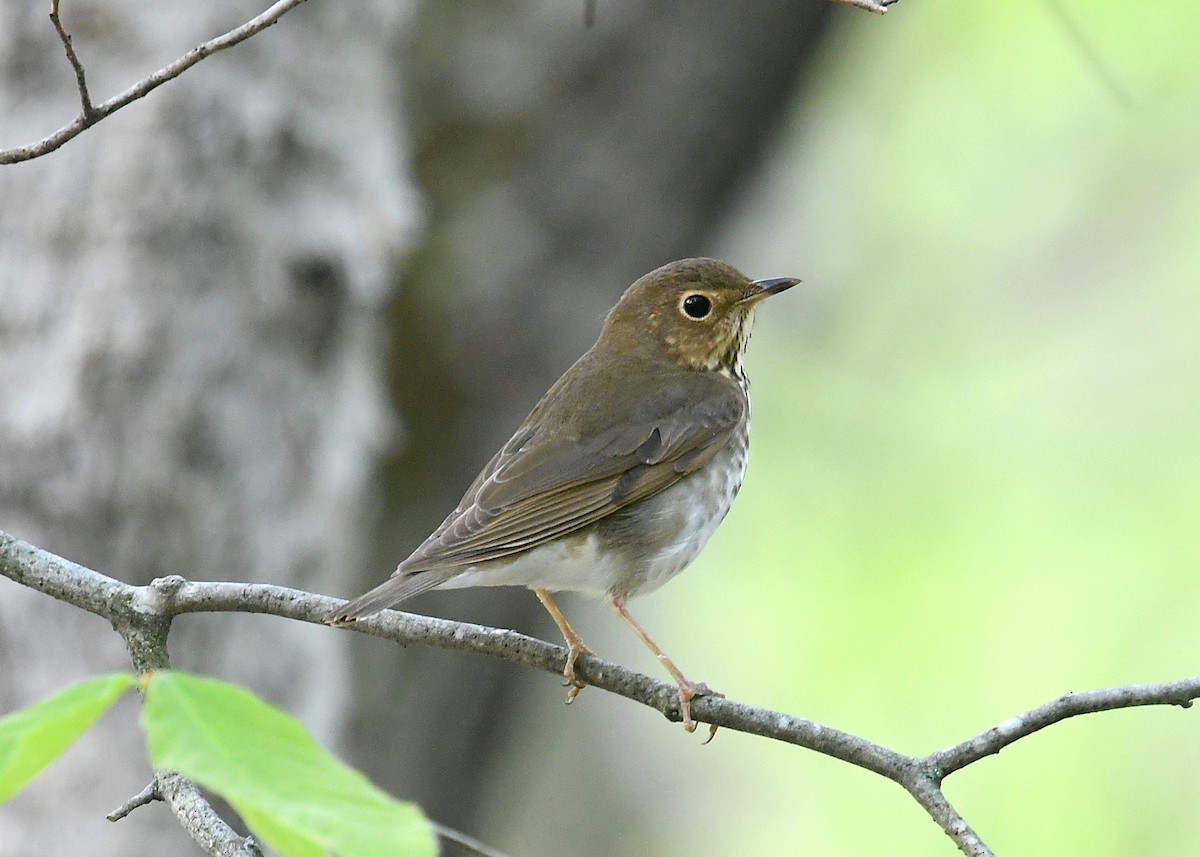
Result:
pixel 766 288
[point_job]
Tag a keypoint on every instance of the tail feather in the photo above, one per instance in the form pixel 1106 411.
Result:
pixel 392 591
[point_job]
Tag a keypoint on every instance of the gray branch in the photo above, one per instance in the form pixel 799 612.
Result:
pixel 147 610
pixel 876 6
pixel 90 113
pixel 217 837
pixel 200 820
pixel 147 795
pixel 464 843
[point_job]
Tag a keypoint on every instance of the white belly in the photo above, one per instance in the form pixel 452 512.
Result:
pixel 572 564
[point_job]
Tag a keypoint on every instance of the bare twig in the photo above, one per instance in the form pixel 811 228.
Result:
pixel 153 606
pixel 147 795
pixel 927 791
pixel 200 820
pixel 870 5
pixel 1180 693
pixel 195 815
pixel 85 100
pixel 466 844
pixel 91 114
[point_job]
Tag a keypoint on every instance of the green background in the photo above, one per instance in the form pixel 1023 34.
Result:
pixel 975 479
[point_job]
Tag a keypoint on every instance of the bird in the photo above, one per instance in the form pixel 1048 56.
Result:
pixel 620 474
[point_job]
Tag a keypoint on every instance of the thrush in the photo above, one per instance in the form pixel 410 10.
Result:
pixel 621 473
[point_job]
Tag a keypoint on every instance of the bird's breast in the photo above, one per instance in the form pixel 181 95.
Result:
pixel 661 535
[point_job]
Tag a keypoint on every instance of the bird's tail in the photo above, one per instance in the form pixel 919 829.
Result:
pixel 395 589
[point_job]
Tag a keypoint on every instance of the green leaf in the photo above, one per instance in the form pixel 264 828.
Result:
pixel 282 839
pixel 34 737
pixel 294 796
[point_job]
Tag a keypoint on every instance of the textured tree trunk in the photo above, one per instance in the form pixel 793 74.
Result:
pixel 190 379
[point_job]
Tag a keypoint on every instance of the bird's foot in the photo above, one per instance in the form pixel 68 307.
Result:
pixel 575 648
pixel 689 690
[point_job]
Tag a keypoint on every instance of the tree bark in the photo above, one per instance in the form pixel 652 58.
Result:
pixel 189 356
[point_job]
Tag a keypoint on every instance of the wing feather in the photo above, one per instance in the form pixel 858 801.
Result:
pixel 579 467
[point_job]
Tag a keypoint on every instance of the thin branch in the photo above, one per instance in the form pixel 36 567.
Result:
pixel 878 8
pixel 196 815
pixel 466 844
pixel 90 114
pixel 62 579
pixel 184 806
pixel 1181 693
pixel 147 795
pixel 85 100
pixel 928 793
pixel 174 596
pixel 153 606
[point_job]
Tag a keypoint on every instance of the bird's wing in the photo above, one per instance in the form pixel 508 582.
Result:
pixel 546 483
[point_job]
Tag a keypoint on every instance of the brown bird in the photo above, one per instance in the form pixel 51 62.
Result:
pixel 621 473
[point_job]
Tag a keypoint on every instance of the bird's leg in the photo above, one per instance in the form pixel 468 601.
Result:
pixel 688 690
pixel 575 646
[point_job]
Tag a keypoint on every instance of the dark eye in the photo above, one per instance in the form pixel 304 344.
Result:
pixel 697 306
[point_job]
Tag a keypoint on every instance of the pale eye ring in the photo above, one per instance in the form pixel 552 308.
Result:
pixel 696 306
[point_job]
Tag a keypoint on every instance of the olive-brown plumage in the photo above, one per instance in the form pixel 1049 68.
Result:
pixel 622 471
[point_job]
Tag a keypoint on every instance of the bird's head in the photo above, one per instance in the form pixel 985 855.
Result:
pixel 694 312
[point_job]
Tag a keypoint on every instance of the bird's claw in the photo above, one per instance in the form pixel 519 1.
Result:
pixel 570 680
pixel 689 690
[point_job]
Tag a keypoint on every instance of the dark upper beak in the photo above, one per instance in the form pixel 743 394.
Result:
pixel 766 288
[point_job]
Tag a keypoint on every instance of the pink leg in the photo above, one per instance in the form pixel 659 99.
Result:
pixel 575 646
pixel 687 690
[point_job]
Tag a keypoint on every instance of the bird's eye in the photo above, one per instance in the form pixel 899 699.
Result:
pixel 696 306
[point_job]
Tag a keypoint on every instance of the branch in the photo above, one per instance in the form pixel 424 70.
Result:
pixel 145 636
pixel 91 114
pixel 85 100
pixel 879 7
pixel 194 813
pixel 920 776
pixel 464 843
pixel 200 820
pixel 147 795
pixel 991 742
pixel 181 794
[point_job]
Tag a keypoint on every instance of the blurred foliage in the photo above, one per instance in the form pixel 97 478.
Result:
pixel 976 472
pixel 33 737
pixel 294 796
